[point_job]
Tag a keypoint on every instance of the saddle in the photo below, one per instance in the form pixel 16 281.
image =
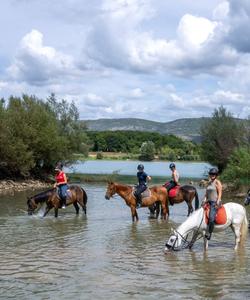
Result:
pixel 145 194
pixel 221 215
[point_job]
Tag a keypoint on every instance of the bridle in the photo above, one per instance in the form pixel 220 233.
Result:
pixel 184 240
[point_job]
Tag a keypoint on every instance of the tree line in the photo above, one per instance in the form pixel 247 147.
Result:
pixel 145 144
pixel 36 133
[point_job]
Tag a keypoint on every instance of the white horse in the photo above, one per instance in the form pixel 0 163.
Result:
pixel 236 219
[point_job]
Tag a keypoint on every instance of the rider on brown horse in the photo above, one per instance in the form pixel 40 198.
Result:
pixel 61 183
pixel 175 178
pixel 142 183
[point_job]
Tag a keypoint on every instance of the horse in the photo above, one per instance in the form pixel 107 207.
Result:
pixel 247 200
pixel 182 193
pixel 196 224
pixel 158 194
pixel 76 195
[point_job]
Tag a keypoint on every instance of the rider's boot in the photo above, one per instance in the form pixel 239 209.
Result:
pixel 210 230
pixel 138 201
pixel 64 199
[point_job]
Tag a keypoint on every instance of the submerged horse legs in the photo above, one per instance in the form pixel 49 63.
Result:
pixel 236 230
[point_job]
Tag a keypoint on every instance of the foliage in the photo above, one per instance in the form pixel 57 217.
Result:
pixel 131 141
pixel 147 151
pixel 238 167
pixel 35 134
pixel 221 135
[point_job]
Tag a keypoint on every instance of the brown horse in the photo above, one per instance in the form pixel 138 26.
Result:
pixel 157 194
pixel 185 193
pixel 76 195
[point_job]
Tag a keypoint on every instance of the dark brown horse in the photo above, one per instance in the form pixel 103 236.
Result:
pixel 157 194
pixel 185 193
pixel 76 195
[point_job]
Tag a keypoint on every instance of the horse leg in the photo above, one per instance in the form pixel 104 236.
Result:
pixel 190 208
pixel 76 207
pixel 134 214
pixel 56 212
pixel 236 230
pixel 47 209
pixel 205 242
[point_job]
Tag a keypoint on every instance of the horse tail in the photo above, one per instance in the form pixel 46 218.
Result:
pixel 196 200
pixel 244 227
pixel 85 196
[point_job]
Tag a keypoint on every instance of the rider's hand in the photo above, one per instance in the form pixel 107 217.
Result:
pixel 218 204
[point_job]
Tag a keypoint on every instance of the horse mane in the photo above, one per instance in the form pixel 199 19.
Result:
pixel 42 196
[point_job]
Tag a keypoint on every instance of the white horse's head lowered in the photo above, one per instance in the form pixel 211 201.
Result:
pixel 236 219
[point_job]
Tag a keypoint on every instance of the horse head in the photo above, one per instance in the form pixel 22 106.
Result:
pixel 247 200
pixel 111 190
pixel 174 242
pixel 31 205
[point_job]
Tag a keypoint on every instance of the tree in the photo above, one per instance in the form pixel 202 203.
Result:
pixel 221 135
pixel 147 151
pixel 238 167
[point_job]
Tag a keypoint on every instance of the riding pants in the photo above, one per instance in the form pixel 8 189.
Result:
pixel 171 185
pixel 139 189
pixel 212 214
pixel 63 192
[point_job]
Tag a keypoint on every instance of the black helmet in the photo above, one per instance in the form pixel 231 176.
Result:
pixel 140 167
pixel 213 171
pixel 59 166
pixel 172 165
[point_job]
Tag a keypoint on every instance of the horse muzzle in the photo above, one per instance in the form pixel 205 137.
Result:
pixel 107 197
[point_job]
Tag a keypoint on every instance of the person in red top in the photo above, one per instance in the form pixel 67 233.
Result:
pixel 61 183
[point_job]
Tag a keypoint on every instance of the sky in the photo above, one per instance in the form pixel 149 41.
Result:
pixel 151 59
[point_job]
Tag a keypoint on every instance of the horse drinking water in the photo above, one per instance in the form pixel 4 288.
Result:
pixel 156 194
pixel 76 195
pixel 196 223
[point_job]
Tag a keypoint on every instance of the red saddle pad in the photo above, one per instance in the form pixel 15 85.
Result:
pixel 173 192
pixel 221 216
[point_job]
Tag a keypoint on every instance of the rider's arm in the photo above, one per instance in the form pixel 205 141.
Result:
pixel 175 177
pixel 219 190
pixel 148 178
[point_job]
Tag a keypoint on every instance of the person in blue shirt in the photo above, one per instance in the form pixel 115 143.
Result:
pixel 143 178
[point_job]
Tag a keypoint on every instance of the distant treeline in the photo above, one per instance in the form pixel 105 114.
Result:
pixel 165 146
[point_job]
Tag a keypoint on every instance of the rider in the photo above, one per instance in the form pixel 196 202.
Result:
pixel 174 177
pixel 142 183
pixel 61 183
pixel 213 197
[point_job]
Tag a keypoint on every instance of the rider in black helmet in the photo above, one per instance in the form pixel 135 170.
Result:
pixel 142 183
pixel 174 177
pixel 213 198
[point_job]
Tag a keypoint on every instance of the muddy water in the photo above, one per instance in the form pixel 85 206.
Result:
pixel 105 256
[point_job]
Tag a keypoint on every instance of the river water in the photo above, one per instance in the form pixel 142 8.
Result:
pixel 106 256
pixel 159 168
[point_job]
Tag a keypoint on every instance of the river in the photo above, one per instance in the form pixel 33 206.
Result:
pixel 106 256
pixel 159 168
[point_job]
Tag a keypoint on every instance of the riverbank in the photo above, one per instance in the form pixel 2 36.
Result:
pixel 7 186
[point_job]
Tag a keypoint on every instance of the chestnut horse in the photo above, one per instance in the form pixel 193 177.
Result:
pixel 75 195
pixel 157 194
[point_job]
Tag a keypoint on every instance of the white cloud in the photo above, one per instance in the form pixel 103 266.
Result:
pixel 36 63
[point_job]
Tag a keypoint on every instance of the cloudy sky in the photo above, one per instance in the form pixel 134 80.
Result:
pixel 153 59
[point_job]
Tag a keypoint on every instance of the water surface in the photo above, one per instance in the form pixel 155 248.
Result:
pixel 106 256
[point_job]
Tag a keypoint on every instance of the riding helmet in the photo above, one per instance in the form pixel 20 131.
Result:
pixel 172 165
pixel 59 166
pixel 140 167
pixel 213 171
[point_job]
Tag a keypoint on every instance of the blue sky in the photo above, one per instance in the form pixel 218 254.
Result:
pixel 153 59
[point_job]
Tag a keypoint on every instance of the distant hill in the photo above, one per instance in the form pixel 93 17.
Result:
pixel 188 128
